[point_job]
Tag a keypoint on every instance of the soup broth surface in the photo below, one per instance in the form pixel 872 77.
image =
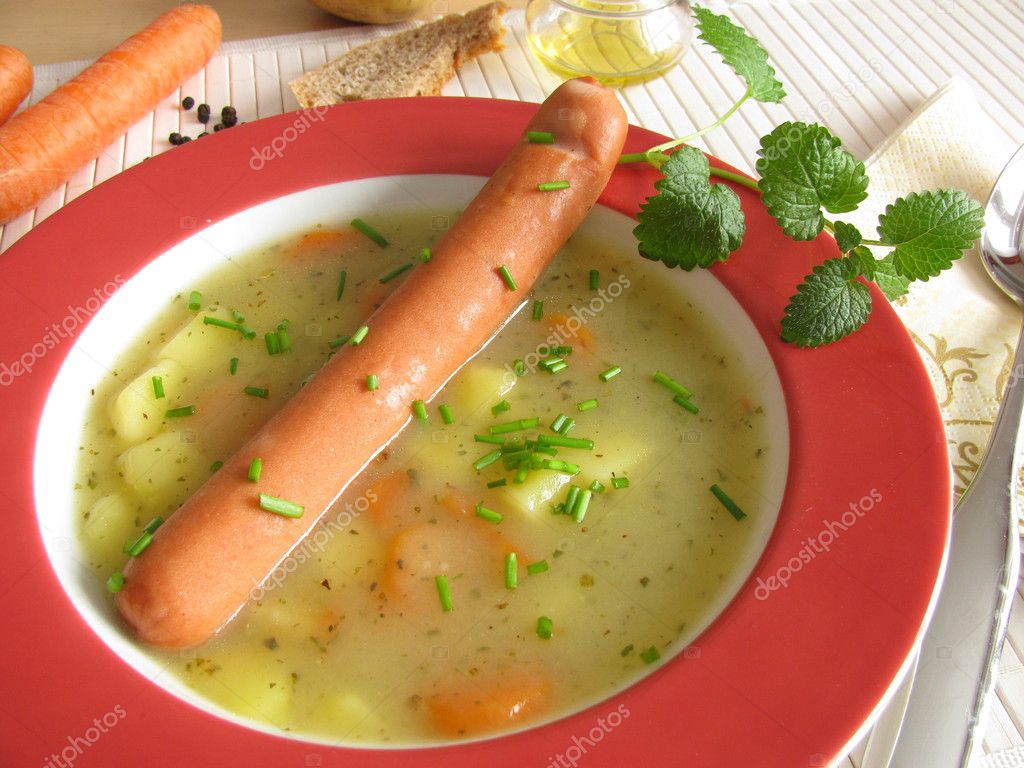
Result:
pixel 348 640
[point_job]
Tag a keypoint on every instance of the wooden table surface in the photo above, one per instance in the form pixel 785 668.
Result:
pixel 76 30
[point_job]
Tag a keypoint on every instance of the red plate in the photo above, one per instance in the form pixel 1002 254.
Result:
pixel 784 677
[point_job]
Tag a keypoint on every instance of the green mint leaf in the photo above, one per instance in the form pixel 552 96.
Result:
pixel 930 230
pixel 830 304
pixel 848 236
pixel 803 168
pixel 865 261
pixel 741 52
pixel 690 222
pixel 892 283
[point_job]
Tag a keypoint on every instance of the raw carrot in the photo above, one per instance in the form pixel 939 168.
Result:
pixel 583 334
pixel 43 145
pixel 15 80
pixel 469 707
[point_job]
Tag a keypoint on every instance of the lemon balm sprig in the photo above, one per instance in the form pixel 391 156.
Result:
pixel 804 174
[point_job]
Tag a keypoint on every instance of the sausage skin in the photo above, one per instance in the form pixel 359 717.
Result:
pixel 204 562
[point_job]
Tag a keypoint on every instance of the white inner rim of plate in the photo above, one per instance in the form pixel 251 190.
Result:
pixel 117 322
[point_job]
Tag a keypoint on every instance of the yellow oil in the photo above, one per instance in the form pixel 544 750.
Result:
pixel 630 45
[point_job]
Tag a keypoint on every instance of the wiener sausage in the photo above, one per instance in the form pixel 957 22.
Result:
pixel 15 80
pixel 206 559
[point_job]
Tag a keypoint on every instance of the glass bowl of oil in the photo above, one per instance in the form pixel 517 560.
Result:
pixel 615 41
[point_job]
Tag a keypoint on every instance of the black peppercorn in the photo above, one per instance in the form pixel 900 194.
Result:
pixel 188 102
pixel 203 113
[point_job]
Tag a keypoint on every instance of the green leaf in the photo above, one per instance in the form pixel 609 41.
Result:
pixel 830 304
pixel 741 52
pixel 690 222
pixel 848 236
pixel 803 168
pixel 930 230
pixel 865 261
pixel 892 283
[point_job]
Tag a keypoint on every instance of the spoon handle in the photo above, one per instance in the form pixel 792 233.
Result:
pixel 960 651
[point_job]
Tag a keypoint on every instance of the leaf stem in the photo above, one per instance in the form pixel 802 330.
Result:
pixel 706 129
pixel 735 177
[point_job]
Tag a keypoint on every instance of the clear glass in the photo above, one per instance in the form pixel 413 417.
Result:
pixel 615 41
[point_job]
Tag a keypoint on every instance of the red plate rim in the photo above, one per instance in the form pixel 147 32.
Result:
pixel 784 677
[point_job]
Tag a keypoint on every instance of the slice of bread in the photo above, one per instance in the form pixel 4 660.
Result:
pixel 416 62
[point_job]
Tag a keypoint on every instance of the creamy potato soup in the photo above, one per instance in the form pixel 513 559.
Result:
pixel 544 537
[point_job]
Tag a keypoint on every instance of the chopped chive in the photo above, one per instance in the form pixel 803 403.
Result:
pixel 620 482
pixel 513 426
pixel 338 342
pixel 281 506
pixel 372 382
pixel 273 343
pixel 511 571
pixel 370 232
pixel 545 628
pixel 610 374
pixel 728 503
pixel 246 331
pixel 519 366
pixel 568 424
pixel 488 514
pixel 489 439
pixel 444 592
pixel 579 510
pixel 540 137
pixel 566 442
pixel 557 465
pixel 395 272
pixel 426 255
pixel 497 483
pixel 487 460
pixel 158 387
pixel 419 410
pixel 551 186
pixel 558 367
pixel 597 486
pixel 233 366
pixel 560 419
pixel 257 392
pixel 562 350
pixel 209 320
pixel 154 524
pixel 538 310
pixel 506 277
pixel 539 567
pixel 501 407
pixel 239 317
pixel 587 405
pixel 549 362
pixel 115 582
pixel 359 335
pixel 284 341
pixel 341 283
pixel 570 498
pixel 446 414
pixel 137 547
pixel 255 470
pixel 177 413
pixel 215 466
pixel 686 403
pixel 521 474
pixel 195 301
pixel 595 279
pixel 650 656
pixel 667 381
